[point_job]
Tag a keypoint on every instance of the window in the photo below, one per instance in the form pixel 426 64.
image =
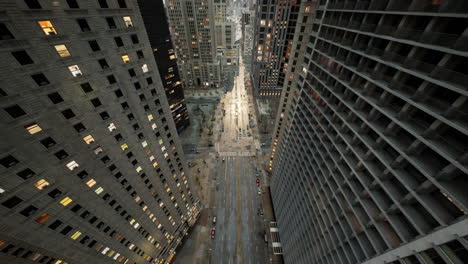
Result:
pixel 48 142
pixel 125 58
pixel 72 165
pixel 91 183
pixel 103 63
pixel 26 174
pixel 144 144
pixel 138 169
pixel 118 41
pixel 68 113
pixel 42 218
pixel 8 161
pixel 33 128
pixel 12 202
pixel 41 184
pixel 61 154
pixel 28 211
pixel 15 111
pixel 122 3
pixel 96 102
pixel 144 68
pixel 140 54
pixel 149 80
pixel 55 98
pixel 66 201
pixel 55 224
pixel 104 115
pixel 128 21
pixel 40 79
pixel 82 174
pixel 97 150
pixel 73 4
pixel 33 4
pixel 103 3
pixel 118 93
pixel 22 57
pixel 55 193
pixel 172 57
pixel 93 44
pixel 79 127
pixel 5 33
pixel 110 22
pixel 135 39
pixel 86 87
pixel 75 70
pixel 88 139
pixel 111 127
pixel 62 51
pixel 137 85
pixel 124 146
pixel 83 25
pixel 111 79
pixel 99 190
pixel 66 230
pixel 76 235
pixel 47 27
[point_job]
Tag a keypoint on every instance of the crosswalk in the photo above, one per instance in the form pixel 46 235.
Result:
pixel 237 154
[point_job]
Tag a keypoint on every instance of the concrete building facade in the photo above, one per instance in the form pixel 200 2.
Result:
pixel 91 166
pixel 157 27
pixel 370 161
pixel 193 34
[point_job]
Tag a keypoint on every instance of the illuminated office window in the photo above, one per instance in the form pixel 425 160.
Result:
pixel 128 21
pixel 154 126
pixel 41 184
pixel 76 235
pixel 62 51
pixel 124 146
pixel 155 164
pixel 75 70
pixel 72 165
pixel 125 58
pixel 144 144
pixel 138 169
pixel 91 183
pixel 150 117
pixel 66 201
pixel 47 27
pixel 144 68
pixel 99 190
pixel 42 218
pixel 88 139
pixel 97 150
pixel 111 127
pixel 33 128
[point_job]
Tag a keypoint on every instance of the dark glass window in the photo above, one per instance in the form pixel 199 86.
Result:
pixel 55 98
pixel 66 230
pixel 55 193
pixel 131 72
pixel 8 161
pixel 55 224
pixel 86 87
pixel 83 25
pixel 110 22
pixel 22 57
pixel 140 54
pixel 111 79
pixel 26 173
pixel 79 127
pixel 68 113
pixel 33 4
pixel 15 111
pixel 76 208
pixel 73 4
pixel 135 39
pixel 82 174
pixel 137 85
pixel 48 142
pixel 130 117
pixel 61 154
pixel 125 106
pixel 122 3
pixel 118 93
pixel 40 79
pixel 118 41
pixel 96 102
pixel 93 44
pixel 12 202
pixel 103 63
pixel 149 80
pixel 5 33
pixel 103 3
pixel 104 115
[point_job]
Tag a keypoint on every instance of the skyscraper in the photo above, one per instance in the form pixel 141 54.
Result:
pixel 225 38
pixel 91 167
pixel 370 163
pixel 193 32
pixel 157 27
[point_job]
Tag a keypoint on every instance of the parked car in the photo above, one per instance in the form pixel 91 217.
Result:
pixel 258 181
pixel 213 232
pixel 214 219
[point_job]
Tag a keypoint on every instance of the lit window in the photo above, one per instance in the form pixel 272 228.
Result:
pixel 154 126
pixel 97 150
pixel 99 190
pixel 91 183
pixel 131 246
pixel 136 225
pixel 33 128
pixel 62 51
pixel 144 68
pixel 166 155
pixel 172 57
pixel 42 218
pixel 160 141
pixel 41 184
pixel 163 149
pixel 72 165
pixel 137 199
pixel 88 139
pixel 144 144
pixel 104 251
pixel 2 190
pixel 132 221
pixel 151 158
pixel 111 127
pixel 66 201
pixel 75 70
pixel 128 21
pixel 76 235
pixel 116 256
pixel 155 164
pixel 47 27
pixel 125 58
pixel 138 169
pixel 150 117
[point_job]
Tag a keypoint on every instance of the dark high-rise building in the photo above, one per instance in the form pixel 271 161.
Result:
pixel 370 156
pixel 157 27
pixel 91 167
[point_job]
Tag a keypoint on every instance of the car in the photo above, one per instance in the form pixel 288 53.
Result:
pixel 214 217
pixel 213 232
pixel 259 192
pixel 257 181
pixel 224 159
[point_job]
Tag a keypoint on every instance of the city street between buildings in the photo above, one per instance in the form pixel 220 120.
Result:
pixel 229 191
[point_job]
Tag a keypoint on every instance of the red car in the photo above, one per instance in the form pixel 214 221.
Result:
pixel 213 231
pixel 258 182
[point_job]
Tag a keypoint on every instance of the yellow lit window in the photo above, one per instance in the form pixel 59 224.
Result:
pixel 137 199
pixel 76 235
pixel 154 126
pixel 124 146
pixel 172 57
pixel 150 117
pixel 125 58
pixel 72 165
pixel 144 68
pixel 88 139
pixel 138 169
pixel 91 183
pixel 33 128
pixel 128 21
pixel 99 190
pixel 66 201
pixel 41 184
pixel 166 155
pixel 155 164
pixel 148 151
pixel 144 144
pixel 75 70
pixel 47 27
pixel 111 127
pixel 160 141
pixel 42 218
pixel 62 51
